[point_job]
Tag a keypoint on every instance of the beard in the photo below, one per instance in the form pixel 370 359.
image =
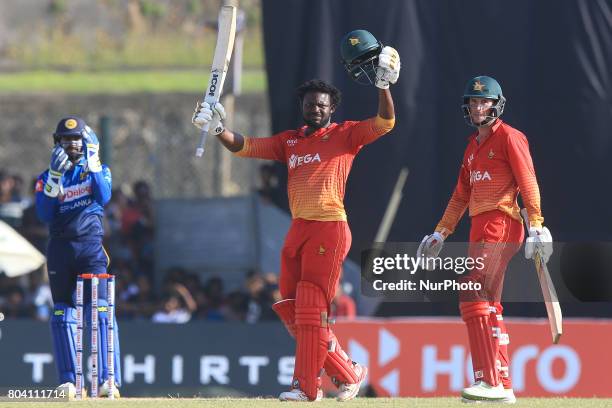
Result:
pixel 317 124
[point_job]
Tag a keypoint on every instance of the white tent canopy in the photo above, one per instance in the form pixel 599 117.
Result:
pixel 17 255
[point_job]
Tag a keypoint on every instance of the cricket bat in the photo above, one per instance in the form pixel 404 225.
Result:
pixel 553 309
pixel 223 52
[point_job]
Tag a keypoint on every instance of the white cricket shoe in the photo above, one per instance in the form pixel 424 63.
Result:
pixel 483 392
pixel 295 394
pixel 510 398
pixel 347 392
pixel 69 390
pixel 103 391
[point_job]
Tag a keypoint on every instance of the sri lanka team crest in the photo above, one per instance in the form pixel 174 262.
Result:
pixel 70 123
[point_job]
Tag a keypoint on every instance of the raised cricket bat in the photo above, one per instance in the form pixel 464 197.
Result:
pixel 220 63
pixel 553 309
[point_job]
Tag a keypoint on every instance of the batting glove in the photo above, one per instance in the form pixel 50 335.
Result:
pixel 213 116
pixel 540 240
pixel 430 247
pixel 388 69
pixel 92 150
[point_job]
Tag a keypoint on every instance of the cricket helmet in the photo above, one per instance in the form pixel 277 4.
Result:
pixel 483 87
pixel 70 126
pixel 359 50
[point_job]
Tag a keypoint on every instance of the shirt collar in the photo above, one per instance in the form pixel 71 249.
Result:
pixel 494 128
pixel 318 132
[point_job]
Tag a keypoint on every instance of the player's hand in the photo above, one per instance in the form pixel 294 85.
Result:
pixel 388 69
pixel 430 247
pixel 60 163
pixel 539 240
pixel 92 150
pixel 213 115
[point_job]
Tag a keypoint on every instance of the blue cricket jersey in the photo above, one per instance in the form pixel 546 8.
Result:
pixel 78 210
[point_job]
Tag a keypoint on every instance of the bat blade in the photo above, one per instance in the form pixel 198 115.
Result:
pixel 220 64
pixel 551 301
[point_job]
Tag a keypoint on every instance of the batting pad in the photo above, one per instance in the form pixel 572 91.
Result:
pixel 483 345
pixel 63 330
pixel 103 342
pixel 337 365
pixel 285 309
pixel 311 337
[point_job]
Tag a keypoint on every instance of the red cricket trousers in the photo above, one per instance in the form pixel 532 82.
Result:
pixel 495 237
pixel 314 252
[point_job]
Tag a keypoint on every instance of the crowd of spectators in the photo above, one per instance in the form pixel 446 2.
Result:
pixel 178 296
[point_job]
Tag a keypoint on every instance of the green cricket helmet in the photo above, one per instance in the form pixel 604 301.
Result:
pixel 359 50
pixel 483 87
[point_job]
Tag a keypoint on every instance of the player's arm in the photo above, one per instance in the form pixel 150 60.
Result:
pixel 102 185
pixel 46 204
pixel 540 239
pixel 387 72
pixel 101 179
pixel 457 204
pixel 432 244
pixel 268 148
pixel 49 184
pixel 524 174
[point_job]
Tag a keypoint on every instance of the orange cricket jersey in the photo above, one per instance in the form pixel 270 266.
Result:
pixel 492 175
pixel 318 164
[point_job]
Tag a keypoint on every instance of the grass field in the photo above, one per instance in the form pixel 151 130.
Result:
pixel 118 82
pixel 360 402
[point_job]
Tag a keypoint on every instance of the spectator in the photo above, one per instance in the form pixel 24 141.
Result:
pixel 11 210
pixel 32 228
pixel 39 295
pixel 343 305
pixel 261 298
pixel 177 306
pixel 270 190
pixel 213 290
pixel 14 305
pixel 137 222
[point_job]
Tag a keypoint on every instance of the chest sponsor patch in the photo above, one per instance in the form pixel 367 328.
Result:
pixel 297 161
pixel 75 192
pixel 477 175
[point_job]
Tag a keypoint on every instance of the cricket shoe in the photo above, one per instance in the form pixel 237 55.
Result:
pixel 510 399
pixel 295 394
pixel 483 392
pixel 69 391
pixel 103 391
pixel 347 392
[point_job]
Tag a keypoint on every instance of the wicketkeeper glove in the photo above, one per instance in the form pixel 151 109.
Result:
pixel 388 69
pixel 540 240
pixel 214 116
pixel 60 163
pixel 92 149
pixel 430 247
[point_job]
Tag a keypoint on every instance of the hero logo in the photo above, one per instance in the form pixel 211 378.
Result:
pixel 297 161
pixel 213 83
pixel 75 192
pixel 453 368
pixel 387 377
pixel 477 175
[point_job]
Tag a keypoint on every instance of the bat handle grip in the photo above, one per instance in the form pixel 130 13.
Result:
pixel 203 135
